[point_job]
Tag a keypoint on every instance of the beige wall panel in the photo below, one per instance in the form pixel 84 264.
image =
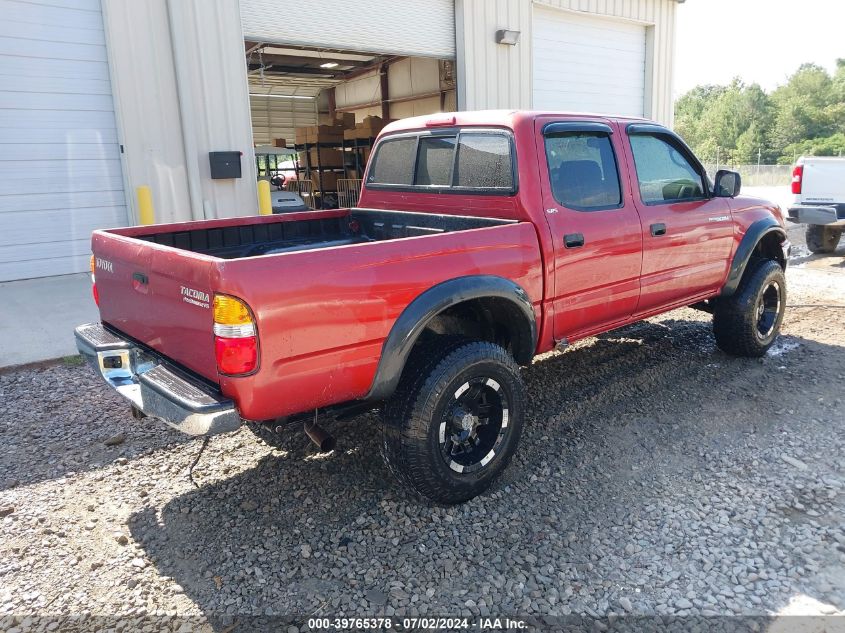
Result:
pixel 413 76
pixel 362 113
pixel 417 107
pixel 359 91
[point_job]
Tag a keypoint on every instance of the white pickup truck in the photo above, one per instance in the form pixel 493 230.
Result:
pixel 818 186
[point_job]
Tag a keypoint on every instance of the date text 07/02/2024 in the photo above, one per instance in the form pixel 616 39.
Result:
pixel 417 623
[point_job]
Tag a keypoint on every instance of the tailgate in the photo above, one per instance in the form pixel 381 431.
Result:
pixel 823 181
pixel 158 296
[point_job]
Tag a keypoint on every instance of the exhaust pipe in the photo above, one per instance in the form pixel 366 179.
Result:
pixel 319 436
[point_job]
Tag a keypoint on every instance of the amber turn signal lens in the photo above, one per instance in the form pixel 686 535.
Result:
pixel 230 311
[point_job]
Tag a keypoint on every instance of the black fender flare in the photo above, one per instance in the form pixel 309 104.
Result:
pixel 416 316
pixel 756 232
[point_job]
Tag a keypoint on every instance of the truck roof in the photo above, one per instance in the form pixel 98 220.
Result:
pixel 496 118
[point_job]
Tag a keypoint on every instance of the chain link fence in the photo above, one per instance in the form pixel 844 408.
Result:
pixel 757 175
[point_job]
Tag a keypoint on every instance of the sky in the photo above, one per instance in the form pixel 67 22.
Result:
pixel 762 41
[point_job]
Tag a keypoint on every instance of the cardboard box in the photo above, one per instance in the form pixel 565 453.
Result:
pixel 280 142
pixel 328 157
pixel 341 119
pixel 369 127
pixel 345 119
pixel 327 134
pixel 301 135
pixel 328 180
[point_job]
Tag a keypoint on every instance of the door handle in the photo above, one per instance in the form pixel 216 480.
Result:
pixel 139 282
pixel 658 229
pixel 573 240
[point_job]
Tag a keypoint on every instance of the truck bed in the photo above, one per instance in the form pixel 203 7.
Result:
pixel 356 226
pixel 325 288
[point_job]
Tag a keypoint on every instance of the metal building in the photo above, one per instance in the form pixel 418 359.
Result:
pixel 99 97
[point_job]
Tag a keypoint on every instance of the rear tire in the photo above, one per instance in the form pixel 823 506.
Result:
pixel 455 420
pixel 822 239
pixel 748 322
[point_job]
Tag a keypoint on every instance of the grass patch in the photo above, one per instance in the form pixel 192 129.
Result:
pixel 73 361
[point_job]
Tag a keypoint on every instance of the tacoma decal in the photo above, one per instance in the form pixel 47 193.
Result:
pixel 195 297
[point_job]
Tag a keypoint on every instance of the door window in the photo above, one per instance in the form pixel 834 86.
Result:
pixel 582 170
pixel 663 172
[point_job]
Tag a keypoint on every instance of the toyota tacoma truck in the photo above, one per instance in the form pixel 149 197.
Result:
pixel 482 239
pixel 818 188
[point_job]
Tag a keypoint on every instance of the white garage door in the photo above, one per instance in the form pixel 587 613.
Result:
pixel 423 27
pixel 588 64
pixel 60 174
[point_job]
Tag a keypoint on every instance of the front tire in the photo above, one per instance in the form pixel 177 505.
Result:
pixel 455 420
pixel 822 239
pixel 748 322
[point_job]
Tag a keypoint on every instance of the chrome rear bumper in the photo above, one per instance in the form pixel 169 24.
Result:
pixel 153 386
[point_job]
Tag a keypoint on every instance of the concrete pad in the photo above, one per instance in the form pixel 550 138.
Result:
pixel 37 317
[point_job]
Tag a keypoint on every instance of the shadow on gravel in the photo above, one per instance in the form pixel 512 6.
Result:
pixel 650 468
pixel 56 420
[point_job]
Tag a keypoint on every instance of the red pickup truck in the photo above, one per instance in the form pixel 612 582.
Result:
pixel 481 240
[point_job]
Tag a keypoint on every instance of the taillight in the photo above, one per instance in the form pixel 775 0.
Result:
pixel 94 281
pixel 235 339
pixel 797 178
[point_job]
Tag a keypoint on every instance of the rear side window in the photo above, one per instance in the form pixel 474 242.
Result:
pixel 582 170
pixel 663 172
pixel 448 162
pixel 484 160
pixel 394 162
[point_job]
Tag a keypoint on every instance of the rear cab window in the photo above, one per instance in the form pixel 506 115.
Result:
pixel 467 160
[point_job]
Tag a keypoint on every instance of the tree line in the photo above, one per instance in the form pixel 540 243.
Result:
pixel 743 124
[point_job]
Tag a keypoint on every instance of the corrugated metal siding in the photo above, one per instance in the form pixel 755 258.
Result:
pixel 422 28
pixel 165 147
pixel 274 118
pixel 60 173
pixel 495 76
pixel 491 75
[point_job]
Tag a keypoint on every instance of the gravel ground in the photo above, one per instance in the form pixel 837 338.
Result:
pixel 656 475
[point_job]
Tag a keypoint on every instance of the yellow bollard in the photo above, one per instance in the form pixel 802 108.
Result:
pixel 146 213
pixel 265 203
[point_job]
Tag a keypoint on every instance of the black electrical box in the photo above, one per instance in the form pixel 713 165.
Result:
pixel 225 164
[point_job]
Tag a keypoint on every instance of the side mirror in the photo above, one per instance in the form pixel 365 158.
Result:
pixel 728 184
